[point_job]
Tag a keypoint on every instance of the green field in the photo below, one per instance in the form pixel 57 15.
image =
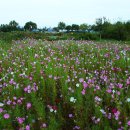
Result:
pixel 64 85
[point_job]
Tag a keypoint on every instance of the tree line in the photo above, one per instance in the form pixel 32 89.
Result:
pixel 102 27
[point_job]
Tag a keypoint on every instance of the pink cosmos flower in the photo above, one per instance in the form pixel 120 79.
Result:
pixel 1 110
pixel 97 87
pixel 81 80
pixel 25 89
pixel 85 85
pixel 120 85
pixel 43 125
pixel 8 102
pixel 20 120
pixel 117 115
pixel 15 98
pixel 6 116
pixel 76 128
pixel 14 103
pixel 19 101
pixel 70 115
pixel 30 78
pixel 83 92
pixel 109 90
pixel 128 123
pixel 29 105
pixel 27 127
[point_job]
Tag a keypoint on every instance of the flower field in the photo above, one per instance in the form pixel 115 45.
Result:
pixel 64 85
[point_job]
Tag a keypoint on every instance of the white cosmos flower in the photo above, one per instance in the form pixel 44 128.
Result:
pixel 113 91
pixel 51 110
pixel 55 111
pixel 128 99
pixel 72 99
pixel 77 85
pixel 102 111
pixel 12 73
pixel 1 104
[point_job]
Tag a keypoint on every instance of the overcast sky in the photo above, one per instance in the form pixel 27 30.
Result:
pixel 50 12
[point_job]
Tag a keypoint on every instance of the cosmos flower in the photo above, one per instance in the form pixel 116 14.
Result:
pixel 128 100
pixel 81 80
pixel 1 104
pixel 20 120
pixel 76 128
pixel 77 85
pixel 70 115
pixel 83 92
pixel 128 123
pixel 102 111
pixel 29 105
pixel 27 127
pixel 6 116
pixel 44 125
pixel 85 85
pixel 1 110
pixel 72 99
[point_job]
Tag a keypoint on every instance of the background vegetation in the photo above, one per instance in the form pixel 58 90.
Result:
pixel 102 29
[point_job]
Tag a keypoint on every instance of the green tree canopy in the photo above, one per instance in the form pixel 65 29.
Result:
pixel 83 27
pixel 13 24
pixel 61 25
pixel 68 28
pixel 30 26
pixel 56 29
pixel 75 27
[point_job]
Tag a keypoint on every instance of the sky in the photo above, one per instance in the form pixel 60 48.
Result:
pixel 49 12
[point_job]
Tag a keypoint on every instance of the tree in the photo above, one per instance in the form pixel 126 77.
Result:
pixel 56 29
pixel 30 26
pixel 127 25
pixel 98 27
pixel 44 29
pixel 13 25
pixel 83 27
pixel 75 27
pixel 5 28
pixel 68 28
pixel 120 31
pixel 61 25
pixel 101 25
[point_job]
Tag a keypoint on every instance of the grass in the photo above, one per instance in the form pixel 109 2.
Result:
pixel 64 85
